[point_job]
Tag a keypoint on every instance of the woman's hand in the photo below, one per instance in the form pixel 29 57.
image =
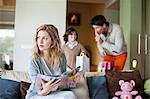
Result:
pixel 48 86
pixel 62 83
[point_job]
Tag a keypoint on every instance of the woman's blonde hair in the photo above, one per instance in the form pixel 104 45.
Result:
pixel 55 51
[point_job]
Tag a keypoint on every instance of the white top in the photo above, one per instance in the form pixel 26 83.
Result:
pixel 114 42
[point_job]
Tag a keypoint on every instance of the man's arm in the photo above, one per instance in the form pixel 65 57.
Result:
pixel 101 50
pixel 99 38
pixel 115 47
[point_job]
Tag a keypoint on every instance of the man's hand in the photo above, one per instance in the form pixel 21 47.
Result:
pixel 98 38
pixel 102 37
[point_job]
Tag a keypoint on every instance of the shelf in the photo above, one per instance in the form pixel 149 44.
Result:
pixel 7 8
pixel 7 23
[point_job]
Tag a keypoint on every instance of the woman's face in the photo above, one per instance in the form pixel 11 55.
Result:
pixel 43 41
pixel 72 37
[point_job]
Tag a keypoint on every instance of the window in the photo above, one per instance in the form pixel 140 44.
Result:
pixel 6 47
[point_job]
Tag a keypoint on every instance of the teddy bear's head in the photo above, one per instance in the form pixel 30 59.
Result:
pixel 126 86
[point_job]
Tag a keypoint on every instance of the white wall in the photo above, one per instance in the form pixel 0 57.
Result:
pixel 112 15
pixel 131 21
pixel 125 22
pixel 29 15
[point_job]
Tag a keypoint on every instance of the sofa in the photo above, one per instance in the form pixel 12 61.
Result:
pixel 96 85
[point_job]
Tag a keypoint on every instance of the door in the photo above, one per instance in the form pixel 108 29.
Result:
pixel 144 41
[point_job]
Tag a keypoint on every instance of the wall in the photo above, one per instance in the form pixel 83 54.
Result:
pixel 131 20
pixel 112 15
pixel 85 31
pixel 125 22
pixel 136 28
pixel 29 15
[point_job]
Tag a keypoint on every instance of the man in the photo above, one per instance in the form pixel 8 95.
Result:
pixel 110 41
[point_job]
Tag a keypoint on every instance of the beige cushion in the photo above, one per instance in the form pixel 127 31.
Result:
pixel 82 91
pixel 16 75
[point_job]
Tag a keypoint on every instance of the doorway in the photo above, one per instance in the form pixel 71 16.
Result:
pixel 84 29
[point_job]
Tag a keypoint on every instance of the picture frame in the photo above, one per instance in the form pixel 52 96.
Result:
pixel 74 19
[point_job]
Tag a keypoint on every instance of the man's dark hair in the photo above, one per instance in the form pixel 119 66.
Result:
pixel 99 20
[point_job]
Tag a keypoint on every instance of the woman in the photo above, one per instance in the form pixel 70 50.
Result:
pixel 47 60
pixel 72 47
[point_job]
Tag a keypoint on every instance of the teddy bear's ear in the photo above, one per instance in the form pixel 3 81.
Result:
pixel 121 82
pixel 132 82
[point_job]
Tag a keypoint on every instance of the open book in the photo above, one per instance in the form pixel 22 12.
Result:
pixel 71 79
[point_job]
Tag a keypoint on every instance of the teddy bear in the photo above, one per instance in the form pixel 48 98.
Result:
pixel 126 90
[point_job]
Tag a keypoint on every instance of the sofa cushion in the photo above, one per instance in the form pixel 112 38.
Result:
pixel 9 89
pixel 82 91
pixel 113 78
pixel 97 87
pixel 16 75
pixel 147 87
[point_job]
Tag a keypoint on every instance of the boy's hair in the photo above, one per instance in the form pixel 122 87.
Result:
pixel 70 31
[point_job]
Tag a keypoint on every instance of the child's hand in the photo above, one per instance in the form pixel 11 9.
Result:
pixel 82 53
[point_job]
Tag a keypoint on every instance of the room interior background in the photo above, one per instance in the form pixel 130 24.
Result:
pixel 25 15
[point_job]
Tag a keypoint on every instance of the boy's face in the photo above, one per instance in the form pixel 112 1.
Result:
pixel 72 37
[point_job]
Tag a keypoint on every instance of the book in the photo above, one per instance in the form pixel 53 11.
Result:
pixel 71 79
